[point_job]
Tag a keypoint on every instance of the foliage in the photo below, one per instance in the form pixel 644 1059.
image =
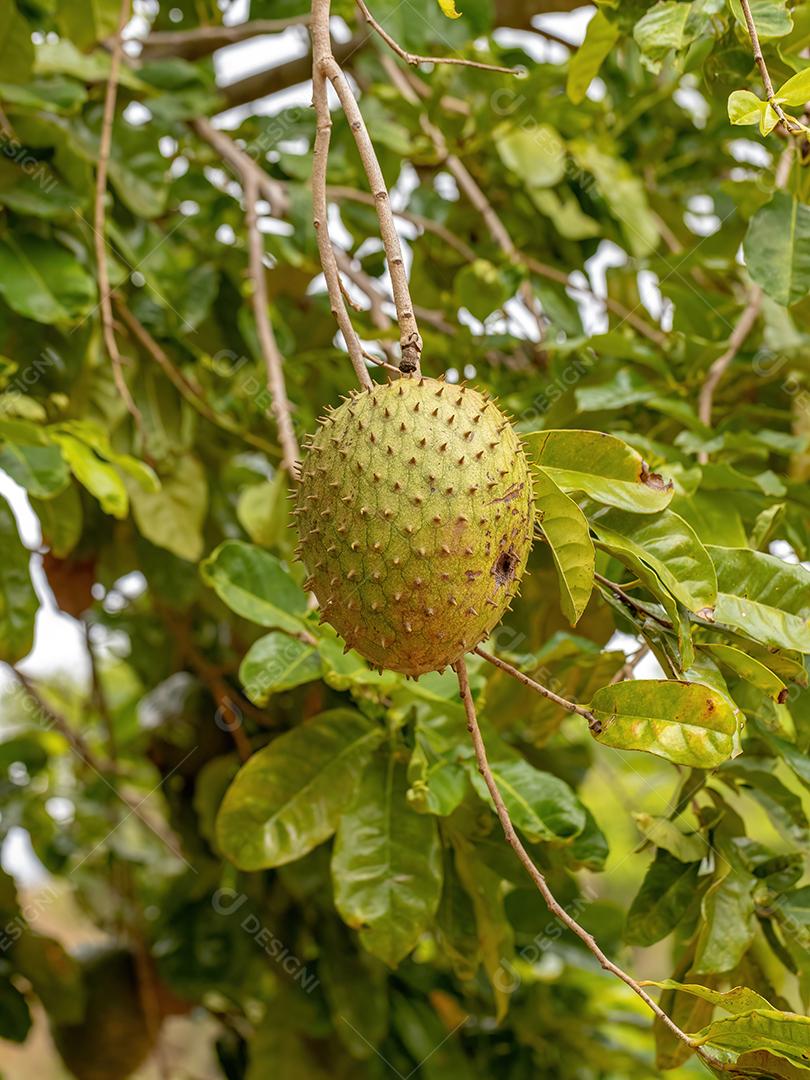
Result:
pixel 302 845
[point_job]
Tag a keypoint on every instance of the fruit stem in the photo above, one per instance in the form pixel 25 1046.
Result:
pixel 556 909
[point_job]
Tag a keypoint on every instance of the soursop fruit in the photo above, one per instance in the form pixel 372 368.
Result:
pixel 415 515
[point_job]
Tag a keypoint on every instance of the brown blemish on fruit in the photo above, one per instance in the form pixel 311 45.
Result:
pixel 505 566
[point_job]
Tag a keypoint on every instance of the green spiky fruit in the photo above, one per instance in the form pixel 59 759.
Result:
pixel 415 514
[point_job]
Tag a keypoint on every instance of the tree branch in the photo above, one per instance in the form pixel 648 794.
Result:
pixel 414 59
pixel 282 76
pixel 744 325
pixel 189 390
pixel 763 68
pixel 320 209
pixel 498 231
pixel 102 768
pixel 273 190
pixel 273 359
pixel 534 873
pixel 738 335
pixel 338 193
pixel 204 40
pixel 630 601
pixel 325 67
pixel 99 224
pixel 325 64
pixel 570 706
pixel 517 14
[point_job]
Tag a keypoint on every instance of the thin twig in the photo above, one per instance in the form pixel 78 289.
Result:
pixel 737 337
pixel 99 697
pixel 102 768
pixel 744 325
pixel 241 161
pixel 204 40
pixel 188 389
pixel 321 46
pixel 763 68
pixel 537 877
pixel 99 223
pixel 338 193
pixel 274 361
pixel 630 601
pixel 415 60
pixel 498 231
pixel 521 677
pixel 367 285
pixel 628 315
pixel 325 66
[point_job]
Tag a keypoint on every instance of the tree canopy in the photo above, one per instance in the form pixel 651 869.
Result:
pixel 296 852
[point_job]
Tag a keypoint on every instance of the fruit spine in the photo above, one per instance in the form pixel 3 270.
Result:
pixel 415 516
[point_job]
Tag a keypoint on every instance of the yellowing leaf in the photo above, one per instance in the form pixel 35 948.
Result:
pixel 686 723
pixel 796 91
pixel 449 9
pixel 600 37
pixel 745 107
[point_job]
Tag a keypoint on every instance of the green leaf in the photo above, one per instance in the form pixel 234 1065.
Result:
pixel 36 466
pixel 714 517
pixel 668 889
pixel 668 546
pixel 16 47
pixel 747 668
pixel 601 466
pixel 785 809
pixel 777 248
pixel 55 95
pixel 796 90
pixel 99 477
pixel 686 723
pixel 60 519
pixel 277 662
pixel 18 601
pixel 481 288
pixel 763 596
pixel 63 58
pixel 494 932
pixel 745 107
pixel 15 1019
pixel 172 517
pixel 254 584
pixel 44 281
pixel 600 37
pixel 456 926
pixel 262 512
pixel 435 771
pixel 686 847
pixel 387 863
pixel 94 22
pixel 737 1000
pixel 728 926
pixel 541 805
pixel 661 29
pixel 785 1034
pixel 623 192
pixel 570 220
pixel 356 987
pixel 536 154
pixel 771 18
pixel 565 528
pixel 289 797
